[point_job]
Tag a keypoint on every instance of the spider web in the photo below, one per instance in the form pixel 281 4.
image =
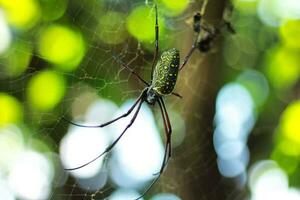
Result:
pixel 101 75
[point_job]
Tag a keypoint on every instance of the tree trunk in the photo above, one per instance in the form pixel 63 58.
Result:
pixel 195 175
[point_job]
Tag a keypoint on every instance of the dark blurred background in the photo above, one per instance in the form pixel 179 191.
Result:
pixel 236 131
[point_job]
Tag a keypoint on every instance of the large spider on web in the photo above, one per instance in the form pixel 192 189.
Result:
pixel 163 79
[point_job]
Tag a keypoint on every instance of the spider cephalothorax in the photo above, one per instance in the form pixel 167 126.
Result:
pixel 151 96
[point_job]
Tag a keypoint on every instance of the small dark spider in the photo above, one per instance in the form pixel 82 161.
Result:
pixel 163 79
pixel 205 43
pixel 211 33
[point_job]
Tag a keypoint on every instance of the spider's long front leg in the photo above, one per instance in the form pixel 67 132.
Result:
pixel 111 121
pixel 140 102
pixel 167 154
pixel 156 43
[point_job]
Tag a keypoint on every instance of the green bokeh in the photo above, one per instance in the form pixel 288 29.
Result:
pixel 282 68
pixel 290 122
pixel 288 147
pixel 17 59
pixel 141 24
pixel 245 6
pixel 174 7
pixel 11 110
pixel 256 84
pixel 45 90
pixel 40 144
pixel 290 33
pixel 22 14
pixel 111 29
pixel 287 162
pixel 53 9
pixel 61 46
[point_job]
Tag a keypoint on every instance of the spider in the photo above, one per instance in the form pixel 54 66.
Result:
pixel 210 33
pixel 205 43
pixel 163 79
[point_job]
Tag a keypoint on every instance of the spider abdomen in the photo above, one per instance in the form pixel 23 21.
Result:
pixel 166 71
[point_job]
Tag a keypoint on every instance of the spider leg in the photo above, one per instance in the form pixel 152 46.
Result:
pixel 131 70
pixel 168 131
pixel 198 24
pixel 168 124
pixel 188 56
pixel 154 181
pixel 111 121
pixel 167 155
pixel 140 78
pixel 156 42
pixel 177 95
pixel 109 148
pixel 194 46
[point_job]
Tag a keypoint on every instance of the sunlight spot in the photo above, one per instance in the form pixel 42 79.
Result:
pixel 139 153
pixel 288 9
pixel 31 175
pixel 6 192
pixel 231 168
pixel 81 145
pixel 265 177
pixel 94 183
pixel 230 149
pixel 123 194
pixel 234 120
pixel 165 196
pixel 11 145
pixel 268 12
pixel 235 99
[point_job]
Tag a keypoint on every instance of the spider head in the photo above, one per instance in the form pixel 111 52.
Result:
pixel 151 96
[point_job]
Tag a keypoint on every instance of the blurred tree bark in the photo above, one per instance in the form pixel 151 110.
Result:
pixel 195 174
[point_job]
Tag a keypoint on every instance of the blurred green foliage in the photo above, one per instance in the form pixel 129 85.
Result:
pixel 45 90
pixel 11 110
